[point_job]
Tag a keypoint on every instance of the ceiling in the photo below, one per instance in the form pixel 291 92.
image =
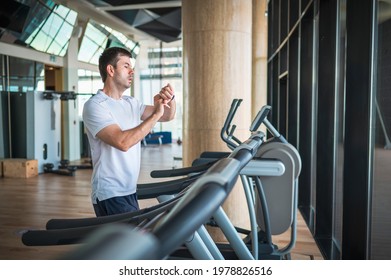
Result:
pixel 141 19
pixel 151 19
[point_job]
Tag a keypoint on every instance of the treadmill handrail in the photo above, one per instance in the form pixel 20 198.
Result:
pixel 203 199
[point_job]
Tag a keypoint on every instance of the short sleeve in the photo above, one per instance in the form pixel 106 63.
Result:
pixel 96 116
pixel 142 108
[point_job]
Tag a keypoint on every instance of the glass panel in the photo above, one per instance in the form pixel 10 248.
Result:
pixel 54 29
pixel 54 48
pixel 96 39
pixel 71 17
pixel 63 50
pixel 40 77
pixel 92 44
pixel 88 84
pixel 381 203
pixel 164 66
pixel 66 30
pixel 86 50
pixel 338 205
pixel 136 49
pixel 95 58
pixel 45 22
pixel 20 67
pixel 24 75
pixel 62 11
pixel 95 34
pixel 52 26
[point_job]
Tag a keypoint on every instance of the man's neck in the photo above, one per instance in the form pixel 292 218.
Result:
pixel 112 92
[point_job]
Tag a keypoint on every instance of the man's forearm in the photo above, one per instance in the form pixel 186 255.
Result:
pixel 169 112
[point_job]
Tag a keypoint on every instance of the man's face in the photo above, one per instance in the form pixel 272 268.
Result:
pixel 124 71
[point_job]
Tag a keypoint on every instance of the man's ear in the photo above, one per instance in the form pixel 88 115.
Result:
pixel 110 70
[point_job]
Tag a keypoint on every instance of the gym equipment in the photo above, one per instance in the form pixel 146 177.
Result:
pixel 71 231
pixel 68 171
pixel 117 242
pixel 64 95
pixel 174 227
pixel 50 237
pixel 207 249
pixel 275 196
pixel 275 208
pixel 64 164
pixel 36 128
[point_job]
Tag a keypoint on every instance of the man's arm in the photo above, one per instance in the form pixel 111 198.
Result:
pixel 124 139
pixel 167 96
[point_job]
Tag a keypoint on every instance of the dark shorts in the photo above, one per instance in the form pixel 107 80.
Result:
pixel 116 205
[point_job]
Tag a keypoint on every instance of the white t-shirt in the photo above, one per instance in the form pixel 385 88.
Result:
pixel 115 173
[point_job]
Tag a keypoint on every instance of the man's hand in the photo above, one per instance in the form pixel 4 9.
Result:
pixel 164 105
pixel 159 107
pixel 166 94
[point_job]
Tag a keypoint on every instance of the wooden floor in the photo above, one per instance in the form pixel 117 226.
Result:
pixel 29 203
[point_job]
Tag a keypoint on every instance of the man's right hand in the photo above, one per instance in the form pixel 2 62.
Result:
pixel 159 107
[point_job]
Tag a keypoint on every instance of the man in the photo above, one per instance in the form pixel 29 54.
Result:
pixel 115 125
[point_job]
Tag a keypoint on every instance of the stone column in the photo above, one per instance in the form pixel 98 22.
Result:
pixel 259 57
pixel 216 69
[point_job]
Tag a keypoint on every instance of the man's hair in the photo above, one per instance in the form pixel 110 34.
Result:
pixel 110 56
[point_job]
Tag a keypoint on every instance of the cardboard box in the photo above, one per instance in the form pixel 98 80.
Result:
pixel 20 168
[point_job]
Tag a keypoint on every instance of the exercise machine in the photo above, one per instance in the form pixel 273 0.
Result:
pixel 219 216
pixel 173 227
pixel 273 204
